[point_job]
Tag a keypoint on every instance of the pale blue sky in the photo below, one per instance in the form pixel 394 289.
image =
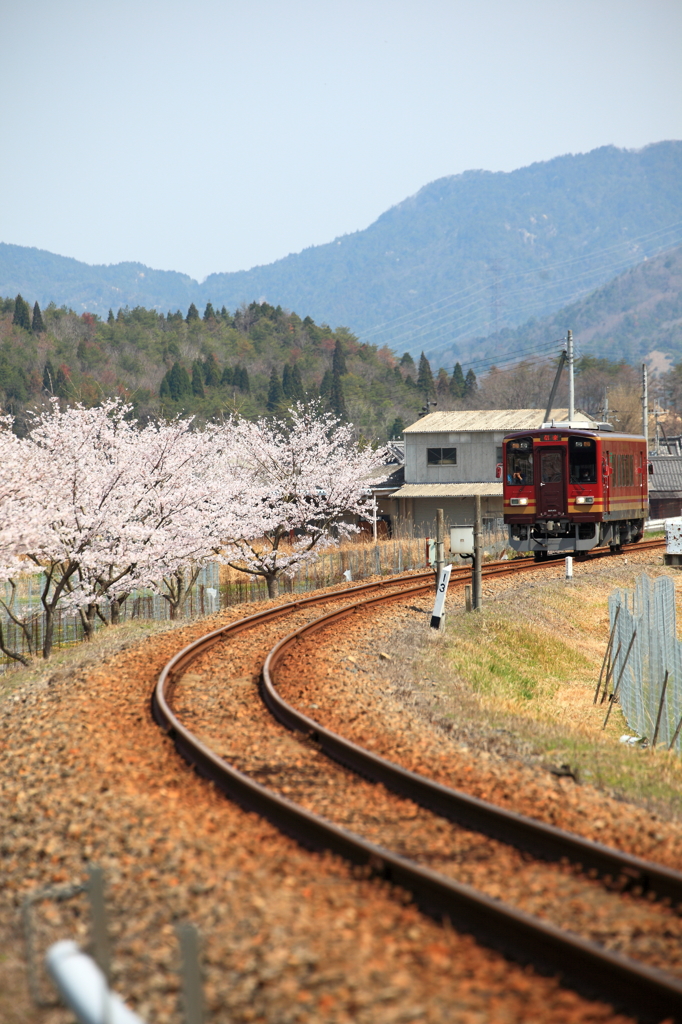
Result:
pixel 213 136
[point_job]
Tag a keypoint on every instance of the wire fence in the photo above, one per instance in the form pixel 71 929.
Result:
pixel 647 660
pixel 218 587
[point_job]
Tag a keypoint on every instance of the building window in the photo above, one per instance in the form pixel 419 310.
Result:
pixel 441 456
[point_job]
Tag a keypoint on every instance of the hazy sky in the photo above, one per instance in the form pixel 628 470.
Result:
pixel 216 135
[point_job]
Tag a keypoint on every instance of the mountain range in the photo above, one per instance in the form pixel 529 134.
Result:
pixel 469 255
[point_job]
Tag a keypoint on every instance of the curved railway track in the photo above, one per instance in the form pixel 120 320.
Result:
pixel 626 983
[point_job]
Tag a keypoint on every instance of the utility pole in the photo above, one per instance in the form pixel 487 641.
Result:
pixel 440 545
pixel 477 582
pixel 571 387
pixel 645 406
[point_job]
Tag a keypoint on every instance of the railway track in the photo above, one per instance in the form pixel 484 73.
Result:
pixel 625 983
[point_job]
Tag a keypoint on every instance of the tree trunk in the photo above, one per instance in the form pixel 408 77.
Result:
pixel 48 636
pixel 273 585
pixel 88 620
pixel 115 608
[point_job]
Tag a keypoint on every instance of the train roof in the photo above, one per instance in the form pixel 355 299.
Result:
pixel 603 430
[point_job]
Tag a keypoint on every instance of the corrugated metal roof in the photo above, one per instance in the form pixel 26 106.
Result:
pixel 667 475
pixel 502 420
pixel 485 490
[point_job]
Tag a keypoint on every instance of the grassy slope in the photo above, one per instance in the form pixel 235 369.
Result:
pixel 521 675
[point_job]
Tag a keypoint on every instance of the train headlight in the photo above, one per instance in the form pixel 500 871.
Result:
pixel 585 499
pixel 518 501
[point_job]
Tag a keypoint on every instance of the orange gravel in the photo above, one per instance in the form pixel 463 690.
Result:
pixel 86 776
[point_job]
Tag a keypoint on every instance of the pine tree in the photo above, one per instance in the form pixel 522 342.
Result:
pixel 211 371
pixel 37 324
pixel 192 314
pixel 49 378
pixel 198 380
pixel 179 383
pixel 241 379
pixel 119 316
pixel 286 381
pixel 275 393
pixel 339 359
pixel 407 361
pixel 110 318
pixel 224 314
pixel 227 379
pixel 457 382
pixel 337 400
pixel 62 381
pixel 470 384
pixel 298 392
pixel 442 384
pixel 209 312
pixel 425 377
pixel 164 390
pixel 397 429
pixel 22 314
pixel 326 384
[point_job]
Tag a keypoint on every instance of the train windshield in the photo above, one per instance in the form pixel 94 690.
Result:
pixel 582 453
pixel 520 461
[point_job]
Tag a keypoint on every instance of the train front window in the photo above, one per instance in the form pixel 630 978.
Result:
pixel 520 461
pixel 582 453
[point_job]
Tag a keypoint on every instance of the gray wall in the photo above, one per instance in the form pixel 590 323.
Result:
pixel 476 457
pixel 419 514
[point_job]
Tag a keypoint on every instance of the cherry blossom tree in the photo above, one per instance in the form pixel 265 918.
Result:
pixel 301 480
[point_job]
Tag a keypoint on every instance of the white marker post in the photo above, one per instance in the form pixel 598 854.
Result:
pixel 441 591
pixel 569 569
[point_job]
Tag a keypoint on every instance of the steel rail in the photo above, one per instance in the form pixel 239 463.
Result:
pixel 625 983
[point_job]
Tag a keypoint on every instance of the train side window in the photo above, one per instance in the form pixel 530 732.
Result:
pixel 582 453
pixel 520 461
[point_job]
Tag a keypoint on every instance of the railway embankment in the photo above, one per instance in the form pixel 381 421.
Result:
pixel 288 936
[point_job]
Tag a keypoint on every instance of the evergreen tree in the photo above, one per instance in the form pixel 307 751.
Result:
pixel 197 380
pixel 275 393
pixel 22 314
pixel 298 392
pixel 209 312
pixel 49 378
pixel 192 314
pixel 211 371
pixel 337 400
pixel 442 384
pixel 397 429
pixel 326 385
pixel 179 384
pixel 37 325
pixel 425 377
pixel 62 381
pixel 110 318
pixel 339 359
pixel 241 379
pixel 470 384
pixel 407 361
pixel 457 382
pixel 164 390
pixel 224 314
pixel 227 379
pixel 119 316
pixel 286 381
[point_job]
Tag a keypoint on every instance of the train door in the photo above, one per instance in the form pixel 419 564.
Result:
pixel 606 474
pixel 552 482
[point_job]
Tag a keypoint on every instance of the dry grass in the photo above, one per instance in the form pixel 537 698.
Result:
pixel 520 676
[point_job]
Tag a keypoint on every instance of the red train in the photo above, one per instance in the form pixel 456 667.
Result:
pixel 568 489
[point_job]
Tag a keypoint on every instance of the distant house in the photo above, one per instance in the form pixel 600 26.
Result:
pixel 450 457
pixel 665 486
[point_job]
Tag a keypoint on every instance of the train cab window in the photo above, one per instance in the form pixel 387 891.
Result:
pixel 582 454
pixel 550 467
pixel 520 461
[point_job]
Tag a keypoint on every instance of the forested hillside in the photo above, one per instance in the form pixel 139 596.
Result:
pixel 466 253
pixel 635 317
pixel 256 361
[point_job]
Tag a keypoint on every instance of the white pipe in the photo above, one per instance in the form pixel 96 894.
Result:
pixel 83 987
